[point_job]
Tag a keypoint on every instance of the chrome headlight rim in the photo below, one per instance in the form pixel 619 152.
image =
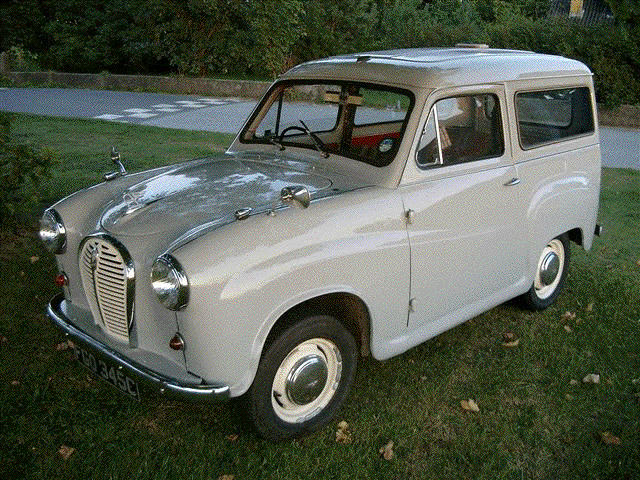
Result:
pixel 53 233
pixel 170 283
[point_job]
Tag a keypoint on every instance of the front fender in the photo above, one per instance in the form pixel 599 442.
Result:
pixel 245 275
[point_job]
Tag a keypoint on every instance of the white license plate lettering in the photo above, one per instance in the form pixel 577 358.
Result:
pixel 107 372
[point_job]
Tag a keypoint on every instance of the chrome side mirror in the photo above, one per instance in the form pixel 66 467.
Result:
pixel 298 196
pixel 117 161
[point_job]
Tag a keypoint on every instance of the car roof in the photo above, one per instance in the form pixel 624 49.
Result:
pixel 440 67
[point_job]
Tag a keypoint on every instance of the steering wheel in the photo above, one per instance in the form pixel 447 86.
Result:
pixel 292 127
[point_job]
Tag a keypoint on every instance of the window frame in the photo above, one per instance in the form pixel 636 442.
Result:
pixel 434 110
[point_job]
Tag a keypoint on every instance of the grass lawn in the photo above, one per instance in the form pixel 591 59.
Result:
pixel 537 418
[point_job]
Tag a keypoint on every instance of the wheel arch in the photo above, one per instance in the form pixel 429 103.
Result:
pixel 347 308
pixel 576 236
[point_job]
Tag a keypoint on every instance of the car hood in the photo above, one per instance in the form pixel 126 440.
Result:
pixel 209 192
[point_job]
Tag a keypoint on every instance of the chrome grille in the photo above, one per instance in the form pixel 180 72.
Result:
pixel 107 277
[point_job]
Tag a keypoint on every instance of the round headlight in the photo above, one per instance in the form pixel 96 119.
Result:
pixel 170 283
pixel 52 232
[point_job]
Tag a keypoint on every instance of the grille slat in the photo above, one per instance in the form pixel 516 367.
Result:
pixel 117 290
pixel 105 267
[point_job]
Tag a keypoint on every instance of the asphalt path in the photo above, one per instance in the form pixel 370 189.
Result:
pixel 620 146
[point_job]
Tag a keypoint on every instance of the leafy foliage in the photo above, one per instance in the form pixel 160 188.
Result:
pixel 266 37
pixel 22 169
pixel 276 27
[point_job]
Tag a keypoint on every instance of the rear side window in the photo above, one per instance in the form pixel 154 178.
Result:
pixel 553 115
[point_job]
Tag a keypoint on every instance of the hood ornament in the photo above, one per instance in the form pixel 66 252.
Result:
pixel 117 161
pixel 134 201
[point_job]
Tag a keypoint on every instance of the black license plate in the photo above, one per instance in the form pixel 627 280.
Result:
pixel 106 370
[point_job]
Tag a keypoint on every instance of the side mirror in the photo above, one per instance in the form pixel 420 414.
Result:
pixel 298 196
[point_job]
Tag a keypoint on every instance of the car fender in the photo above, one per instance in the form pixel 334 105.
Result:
pixel 245 275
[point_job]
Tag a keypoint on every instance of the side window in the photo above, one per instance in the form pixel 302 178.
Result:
pixel 553 115
pixel 461 129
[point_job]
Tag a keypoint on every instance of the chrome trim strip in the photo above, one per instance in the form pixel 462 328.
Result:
pixel 168 387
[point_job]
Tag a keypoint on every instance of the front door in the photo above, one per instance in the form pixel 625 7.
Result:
pixel 462 219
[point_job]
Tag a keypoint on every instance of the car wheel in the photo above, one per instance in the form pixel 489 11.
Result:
pixel 551 274
pixel 303 378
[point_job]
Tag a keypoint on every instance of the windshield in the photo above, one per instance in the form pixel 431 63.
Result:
pixel 360 121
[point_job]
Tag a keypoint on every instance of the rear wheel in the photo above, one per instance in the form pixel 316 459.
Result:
pixel 303 378
pixel 551 274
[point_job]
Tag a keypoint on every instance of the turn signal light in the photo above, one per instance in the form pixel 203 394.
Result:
pixel 62 280
pixel 177 343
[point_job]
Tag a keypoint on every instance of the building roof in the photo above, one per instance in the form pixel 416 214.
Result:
pixel 440 67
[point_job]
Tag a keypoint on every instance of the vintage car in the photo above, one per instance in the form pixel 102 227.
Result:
pixel 370 202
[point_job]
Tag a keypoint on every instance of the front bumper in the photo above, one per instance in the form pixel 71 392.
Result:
pixel 167 387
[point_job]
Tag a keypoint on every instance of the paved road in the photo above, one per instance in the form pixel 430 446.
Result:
pixel 189 112
pixel 620 146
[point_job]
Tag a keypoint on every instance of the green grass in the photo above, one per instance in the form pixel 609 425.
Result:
pixel 533 423
pixel 84 147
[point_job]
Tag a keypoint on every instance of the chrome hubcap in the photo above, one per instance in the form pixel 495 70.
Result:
pixel 549 268
pixel 306 380
pixel 549 271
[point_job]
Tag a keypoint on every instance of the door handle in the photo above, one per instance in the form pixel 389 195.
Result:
pixel 512 182
pixel 410 215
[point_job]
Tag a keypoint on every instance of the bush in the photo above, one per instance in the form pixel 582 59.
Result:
pixel 22 169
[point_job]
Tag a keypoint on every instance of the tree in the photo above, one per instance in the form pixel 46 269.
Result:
pixel 277 26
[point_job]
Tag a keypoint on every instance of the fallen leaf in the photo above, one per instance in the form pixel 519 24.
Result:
pixel 589 307
pixel 423 378
pixel 65 452
pixel 469 405
pixel 509 340
pixel 568 329
pixel 62 346
pixel 226 477
pixel 233 437
pixel 609 438
pixel 34 259
pixel 568 397
pixel 568 315
pixel 387 451
pixel 15 383
pixel 635 381
pixel 573 381
pixel 508 336
pixel 591 378
pixel 343 435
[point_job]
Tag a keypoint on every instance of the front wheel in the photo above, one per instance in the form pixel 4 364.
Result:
pixel 303 378
pixel 551 274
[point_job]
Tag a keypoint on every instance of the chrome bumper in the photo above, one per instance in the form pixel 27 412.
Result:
pixel 167 387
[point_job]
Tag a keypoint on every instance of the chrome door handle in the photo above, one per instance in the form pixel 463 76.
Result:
pixel 410 215
pixel 512 182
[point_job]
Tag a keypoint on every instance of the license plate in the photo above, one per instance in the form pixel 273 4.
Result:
pixel 105 370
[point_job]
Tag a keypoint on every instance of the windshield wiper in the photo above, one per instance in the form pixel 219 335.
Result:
pixel 316 140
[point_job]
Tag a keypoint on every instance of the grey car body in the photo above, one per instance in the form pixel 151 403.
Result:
pixel 370 202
